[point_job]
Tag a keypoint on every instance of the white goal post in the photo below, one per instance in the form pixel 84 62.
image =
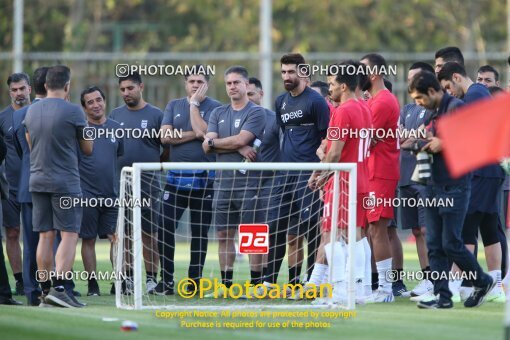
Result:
pixel 129 231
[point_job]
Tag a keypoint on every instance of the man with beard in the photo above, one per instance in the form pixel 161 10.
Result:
pixel 24 197
pixel 19 91
pixel 486 186
pixel 189 114
pixel 137 114
pixel 384 172
pixel 350 117
pixel 303 117
pixel 444 224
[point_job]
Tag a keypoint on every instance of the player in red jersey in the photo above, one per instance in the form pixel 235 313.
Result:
pixel 383 168
pixel 348 142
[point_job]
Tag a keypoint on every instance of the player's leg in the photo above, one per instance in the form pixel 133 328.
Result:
pixel 43 224
pixel 11 222
pixel 150 223
pixel 68 222
pixel 398 286
pixel 437 257
pixel 88 234
pixel 309 209
pixel 151 220
pixel 173 208
pixel 414 218
pixel 453 221
pixel 226 227
pixel 492 248
pixel 201 207
pixel 30 241
pixel 280 202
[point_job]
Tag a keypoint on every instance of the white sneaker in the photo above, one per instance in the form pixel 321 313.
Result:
pixel 496 295
pixel 260 290
pixel 421 288
pixel 381 296
pixel 321 301
pixel 465 292
pixel 219 294
pixel 339 293
pixel 424 297
pixel 150 285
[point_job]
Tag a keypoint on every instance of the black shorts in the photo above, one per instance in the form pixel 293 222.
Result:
pixel 292 202
pixel 98 221
pixel 11 210
pixel 48 215
pixel 412 217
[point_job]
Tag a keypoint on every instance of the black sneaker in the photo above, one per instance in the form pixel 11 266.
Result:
pixel 163 288
pixel 77 303
pixel 435 304
pixel 400 289
pixel 76 293
pixel 20 290
pixel 61 299
pixel 479 293
pixel 112 290
pixel 93 288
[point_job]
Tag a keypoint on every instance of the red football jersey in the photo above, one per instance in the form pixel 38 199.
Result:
pixel 384 155
pixel 351 120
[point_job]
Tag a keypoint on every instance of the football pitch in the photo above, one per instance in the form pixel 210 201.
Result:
pixel 376 321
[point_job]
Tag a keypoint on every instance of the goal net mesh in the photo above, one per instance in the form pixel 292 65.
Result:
pixel 233 235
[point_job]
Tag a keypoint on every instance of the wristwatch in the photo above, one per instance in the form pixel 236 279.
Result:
pixel 195 102
pixel 210 143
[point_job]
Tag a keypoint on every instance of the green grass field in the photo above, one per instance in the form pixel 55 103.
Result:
pixel 381 321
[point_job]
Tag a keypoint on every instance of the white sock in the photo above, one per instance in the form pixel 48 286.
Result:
pixel 454 286
pixel 506 280
pixel 319 270
pixel 325 278
pixel 383 267
pixel 368 267
pixel 338 261
pixel 496 276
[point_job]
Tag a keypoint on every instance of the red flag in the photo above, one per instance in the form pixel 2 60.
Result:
pixel 476 135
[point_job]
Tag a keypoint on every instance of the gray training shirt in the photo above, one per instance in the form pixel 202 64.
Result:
pixel 227 122
pixel 139 149
pixel 55 127
pixel 178 116
pixel 98 172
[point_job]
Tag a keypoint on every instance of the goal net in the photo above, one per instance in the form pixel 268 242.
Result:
pixel 236 235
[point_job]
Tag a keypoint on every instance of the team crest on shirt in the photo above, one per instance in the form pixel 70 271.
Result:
pixel 113 139
pixel 283 106
pixel 237 122
pixel 202 114
pixel 166 194
pixel 422 113
pixel 177 115
pixel 144 124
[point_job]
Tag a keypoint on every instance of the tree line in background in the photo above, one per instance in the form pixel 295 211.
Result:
pixel 232 25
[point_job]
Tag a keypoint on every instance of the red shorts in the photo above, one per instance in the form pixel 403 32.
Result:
pixel 381 189
pixel 361 214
